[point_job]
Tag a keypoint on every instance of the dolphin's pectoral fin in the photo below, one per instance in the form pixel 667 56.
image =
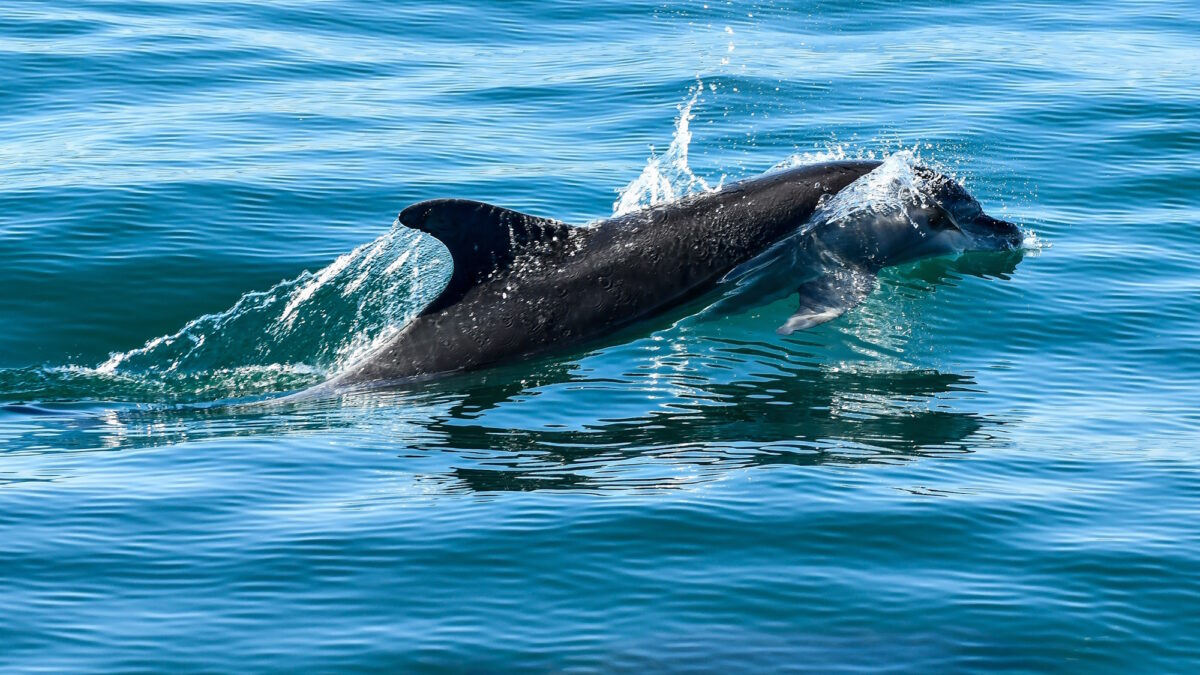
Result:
pixel 483 239
pixel 755 288
pixel 828 297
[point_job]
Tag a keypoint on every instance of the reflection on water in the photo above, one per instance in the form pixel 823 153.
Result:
pixel 675 408
pixel 807 417
pixel 802 416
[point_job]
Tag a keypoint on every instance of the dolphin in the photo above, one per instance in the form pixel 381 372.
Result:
pixel 524 285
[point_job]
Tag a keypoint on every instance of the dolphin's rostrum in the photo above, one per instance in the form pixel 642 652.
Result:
pixel 524 285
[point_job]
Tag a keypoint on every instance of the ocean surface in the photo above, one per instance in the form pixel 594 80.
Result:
pixel 993 463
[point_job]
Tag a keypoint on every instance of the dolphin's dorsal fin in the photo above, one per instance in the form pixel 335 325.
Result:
pixel 483 239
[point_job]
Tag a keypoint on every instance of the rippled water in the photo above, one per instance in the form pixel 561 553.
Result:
pixel 991 463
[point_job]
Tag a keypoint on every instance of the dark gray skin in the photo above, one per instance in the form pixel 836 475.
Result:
pixel 523 285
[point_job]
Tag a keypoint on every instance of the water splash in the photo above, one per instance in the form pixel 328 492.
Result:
pixel 319 320
pixel 668 178
pixel 887 190
pixel 287 337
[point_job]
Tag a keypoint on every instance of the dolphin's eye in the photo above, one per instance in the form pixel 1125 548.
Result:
pixel 966 211
pixel 941 221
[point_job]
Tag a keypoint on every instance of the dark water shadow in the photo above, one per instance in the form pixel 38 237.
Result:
pixel 805 417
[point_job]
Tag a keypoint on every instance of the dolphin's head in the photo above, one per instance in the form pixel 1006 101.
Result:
pixel 964 213
pixel 946 219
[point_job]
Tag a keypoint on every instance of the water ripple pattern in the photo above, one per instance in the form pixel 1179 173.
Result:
pixel 989 464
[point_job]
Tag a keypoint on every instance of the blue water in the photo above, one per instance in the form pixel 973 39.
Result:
pixel 990 464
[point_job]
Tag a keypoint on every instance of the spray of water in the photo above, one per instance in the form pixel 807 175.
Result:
pixel 886 190
pixel 667 178
pixel 315 322
pixel 287 337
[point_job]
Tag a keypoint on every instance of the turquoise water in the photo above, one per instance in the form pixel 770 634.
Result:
pixel 990 464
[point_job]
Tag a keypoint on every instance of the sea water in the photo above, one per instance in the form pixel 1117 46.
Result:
pixel 990 464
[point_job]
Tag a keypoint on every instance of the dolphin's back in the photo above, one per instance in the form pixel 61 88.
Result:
pixel 524 284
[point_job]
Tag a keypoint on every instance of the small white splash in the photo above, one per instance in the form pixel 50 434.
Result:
pixel 668 178
pixel 887 189
pixel 829 152
pixel 399 262
pixel 364 265
pixel 1032 242
pixel 302 294
pixel 115 360
pixel 361 345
